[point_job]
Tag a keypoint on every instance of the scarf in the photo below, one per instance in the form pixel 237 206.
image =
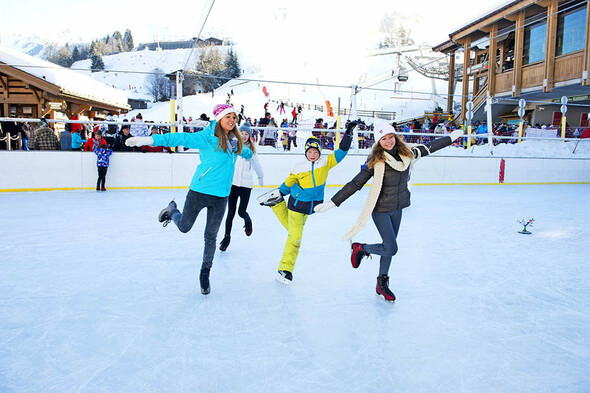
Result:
pixel 379 172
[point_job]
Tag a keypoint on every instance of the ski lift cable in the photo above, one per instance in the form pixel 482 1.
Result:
pixel 198 35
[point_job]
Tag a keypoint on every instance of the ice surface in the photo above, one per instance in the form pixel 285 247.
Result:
pixel 95 296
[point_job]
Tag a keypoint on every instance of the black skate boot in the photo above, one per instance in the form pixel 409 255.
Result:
pixel 204 279
pixel 248 226
pixel 165 215
pixel 225 243
pixel 382 288
pixel 358 253
pixel 271 198
pixel 284 277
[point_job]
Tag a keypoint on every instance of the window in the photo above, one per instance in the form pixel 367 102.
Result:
pixel 534 43
pixel 571 27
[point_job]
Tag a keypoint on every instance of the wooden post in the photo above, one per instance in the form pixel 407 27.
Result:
pixel 451 90
pixel 502 55
pixel 465 84
pixel 492 49
pixel 518 53
pixel 586 70
pixel 550 46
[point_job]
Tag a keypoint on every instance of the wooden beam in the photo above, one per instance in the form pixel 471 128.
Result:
pixel 550 46
pixel 28 78
pixel 29 100
pixel 509 13
pixel 586 70
pixel 518 53
pixel 465 83
pixel 492 51
pixel 450 89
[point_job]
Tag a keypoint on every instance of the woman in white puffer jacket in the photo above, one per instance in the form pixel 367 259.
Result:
pixel 242 187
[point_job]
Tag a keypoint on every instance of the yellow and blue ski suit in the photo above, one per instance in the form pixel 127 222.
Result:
pixel 306 185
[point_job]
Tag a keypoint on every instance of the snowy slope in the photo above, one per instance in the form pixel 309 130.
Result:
pixel 129 70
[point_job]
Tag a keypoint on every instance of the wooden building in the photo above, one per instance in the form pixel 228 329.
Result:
pixel 535 50
pixel 33 88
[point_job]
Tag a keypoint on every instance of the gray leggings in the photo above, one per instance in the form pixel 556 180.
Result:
pixel 194 203
pixel 388 226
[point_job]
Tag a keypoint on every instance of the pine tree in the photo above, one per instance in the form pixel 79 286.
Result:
pixel 96 52
pixel 128 41
pixel 211 67
pixel 76 55
pixel 232 65
pixel 96 63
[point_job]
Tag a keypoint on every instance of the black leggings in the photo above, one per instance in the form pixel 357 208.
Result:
pixel 102 176
pixel 237 192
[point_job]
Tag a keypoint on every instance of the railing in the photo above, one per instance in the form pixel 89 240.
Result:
pixel 273 140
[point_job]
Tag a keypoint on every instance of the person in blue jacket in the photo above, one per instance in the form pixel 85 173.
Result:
pixel 219 144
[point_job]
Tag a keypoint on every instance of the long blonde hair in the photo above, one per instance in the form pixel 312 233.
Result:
pixel 377 153
pixel 249 144
pixel 222 136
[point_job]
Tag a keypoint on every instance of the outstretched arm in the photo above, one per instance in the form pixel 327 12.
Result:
pixel 437 144
pixel 348 190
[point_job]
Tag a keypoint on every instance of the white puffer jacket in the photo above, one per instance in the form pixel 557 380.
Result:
pixel 243 172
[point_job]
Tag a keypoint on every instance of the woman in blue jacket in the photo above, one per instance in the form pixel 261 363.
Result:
pixel 219 145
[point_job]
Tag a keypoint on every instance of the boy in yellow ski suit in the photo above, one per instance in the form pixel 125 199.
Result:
pixel 305 185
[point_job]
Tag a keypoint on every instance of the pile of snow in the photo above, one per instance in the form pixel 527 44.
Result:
pixel 69 82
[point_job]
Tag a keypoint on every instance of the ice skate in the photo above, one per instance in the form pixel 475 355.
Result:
pixel 382 288
pixel 270 198
pixel 358 253
pixel 248 226
pixel 284 277
pixel 165 215
pixel 225 243
pixel 204 280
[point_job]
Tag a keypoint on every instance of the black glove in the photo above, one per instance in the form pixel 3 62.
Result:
pixel 350 127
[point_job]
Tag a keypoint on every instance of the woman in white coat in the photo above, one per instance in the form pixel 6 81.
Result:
pixel 242 187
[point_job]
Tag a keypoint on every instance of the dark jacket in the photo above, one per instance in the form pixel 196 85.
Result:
pixel 394 194
pixel 119 144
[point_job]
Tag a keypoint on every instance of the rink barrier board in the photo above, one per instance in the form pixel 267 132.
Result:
pixel 51 170
pixel 276 186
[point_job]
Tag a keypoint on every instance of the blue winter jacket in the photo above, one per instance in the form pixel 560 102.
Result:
pixel 215 173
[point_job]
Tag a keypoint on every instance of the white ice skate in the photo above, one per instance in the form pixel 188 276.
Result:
pixel 270 198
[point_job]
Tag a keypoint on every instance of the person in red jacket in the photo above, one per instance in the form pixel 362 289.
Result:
pixel 76 127
pixel 155 149
pixel 94 141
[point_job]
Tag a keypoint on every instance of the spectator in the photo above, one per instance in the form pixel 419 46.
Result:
pixel 45 139
pixel 139 129
pixel 103 153
pixel 75 127
pixel 111 131
pixel 264 122
pixel 77 141
pixel 93 142
pixel 120 139
pixel 155 149
pixel 65 140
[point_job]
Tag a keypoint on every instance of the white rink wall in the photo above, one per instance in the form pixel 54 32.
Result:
pixel 50 170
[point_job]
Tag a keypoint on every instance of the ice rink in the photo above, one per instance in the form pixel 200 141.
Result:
pixel 95 296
